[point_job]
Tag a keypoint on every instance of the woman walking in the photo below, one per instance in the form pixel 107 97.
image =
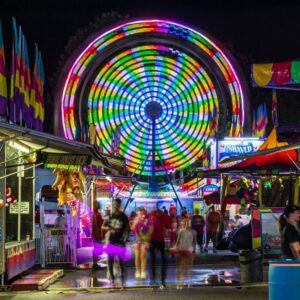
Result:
pixel 142 228
pixel 185 247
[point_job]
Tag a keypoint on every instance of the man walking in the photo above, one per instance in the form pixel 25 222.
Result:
pixel 117 227
pixel 97 235
pixel 213 221
pixel 158 244
pixel 198 225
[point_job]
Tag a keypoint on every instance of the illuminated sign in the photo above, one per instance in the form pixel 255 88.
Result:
pixel 239 146
pixel 64 160
pixel 153 195
pixel 209 188
pixel 241 149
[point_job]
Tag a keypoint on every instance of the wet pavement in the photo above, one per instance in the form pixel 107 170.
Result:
pixel 200 275
pixel 221 268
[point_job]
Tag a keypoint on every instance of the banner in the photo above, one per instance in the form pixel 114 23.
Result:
pixel 276 74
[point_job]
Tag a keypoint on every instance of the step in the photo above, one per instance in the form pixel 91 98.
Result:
pixel 37 280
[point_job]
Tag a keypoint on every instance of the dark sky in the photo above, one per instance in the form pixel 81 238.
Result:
pixel 259 30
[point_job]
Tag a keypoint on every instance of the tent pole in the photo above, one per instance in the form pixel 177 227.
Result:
pixel 296 191
pixel 259 196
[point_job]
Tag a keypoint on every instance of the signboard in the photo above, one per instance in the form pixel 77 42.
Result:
pixel 270 235
pixel 64 160
pixel 154 195
pixel 209 188
pixel 265 230
pixel 24 208
pixel 237 146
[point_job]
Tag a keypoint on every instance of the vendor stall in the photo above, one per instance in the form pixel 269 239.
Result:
pixel 275 171
pixel 22 151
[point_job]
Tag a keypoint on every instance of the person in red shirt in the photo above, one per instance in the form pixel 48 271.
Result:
pixel 159 225
pixel 97 235
pixel 213 221
pixel 198 224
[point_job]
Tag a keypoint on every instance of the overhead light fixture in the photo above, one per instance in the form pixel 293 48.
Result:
pixel 108 178
pixel 19 146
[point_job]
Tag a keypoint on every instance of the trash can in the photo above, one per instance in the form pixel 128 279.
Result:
pixel 284 280
pixel 251 266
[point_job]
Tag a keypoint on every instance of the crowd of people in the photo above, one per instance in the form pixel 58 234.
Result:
pixel 165 233
pixel 160 232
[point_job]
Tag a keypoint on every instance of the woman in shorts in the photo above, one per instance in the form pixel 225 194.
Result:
pixel 142 228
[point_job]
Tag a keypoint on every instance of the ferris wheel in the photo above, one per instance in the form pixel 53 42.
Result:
pixel 157 85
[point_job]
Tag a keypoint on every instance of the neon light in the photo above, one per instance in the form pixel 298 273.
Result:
pixel 182 84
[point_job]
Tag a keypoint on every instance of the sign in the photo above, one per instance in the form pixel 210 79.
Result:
pixel 65 161
pixel 57 231
pixel 24 208
pixel 154 195
pixel 265 230
pixel 209 188
pixel 237 146
pixel 270 235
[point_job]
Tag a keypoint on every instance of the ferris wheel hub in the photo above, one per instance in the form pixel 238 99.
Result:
pixel 153 110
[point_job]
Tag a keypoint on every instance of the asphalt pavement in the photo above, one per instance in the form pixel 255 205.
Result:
pixel 257 292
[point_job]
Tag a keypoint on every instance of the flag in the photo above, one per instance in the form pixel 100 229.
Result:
pixel 274 108
pixel 230 134
pixel 18 85
pixel 23 107
pixel 266 115
pixel 12 73
pixel 205 160
pixel 14 107
pixel 33 100
pixel 40 87
pixel 254 129
pixel 27 85
pixel 3 83
pixel 259 121
pixel 262 120
pixel 266 120
pixel 234 127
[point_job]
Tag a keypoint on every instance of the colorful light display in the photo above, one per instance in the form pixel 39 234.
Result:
pixel 179 69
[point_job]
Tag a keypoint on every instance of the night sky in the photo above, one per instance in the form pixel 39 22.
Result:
pixel 256 30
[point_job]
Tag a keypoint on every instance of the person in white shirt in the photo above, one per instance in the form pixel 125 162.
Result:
pixel 238 223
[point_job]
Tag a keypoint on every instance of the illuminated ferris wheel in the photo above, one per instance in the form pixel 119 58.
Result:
pixel 160 86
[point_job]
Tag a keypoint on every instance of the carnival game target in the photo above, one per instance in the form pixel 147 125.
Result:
pixel 147 72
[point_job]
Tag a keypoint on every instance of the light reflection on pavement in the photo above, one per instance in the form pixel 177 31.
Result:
pixel 201 275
